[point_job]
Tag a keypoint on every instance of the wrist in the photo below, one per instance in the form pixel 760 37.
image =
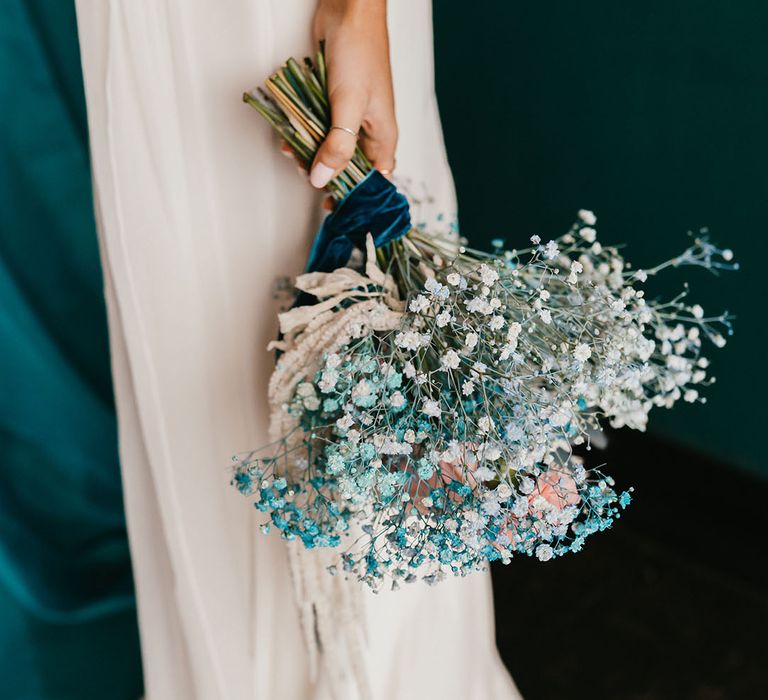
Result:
pixel 352 9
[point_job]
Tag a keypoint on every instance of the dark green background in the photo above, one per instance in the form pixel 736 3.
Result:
pixel 655 115
pixel 651 113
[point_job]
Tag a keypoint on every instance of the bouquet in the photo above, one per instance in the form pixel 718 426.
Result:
pixel 428 398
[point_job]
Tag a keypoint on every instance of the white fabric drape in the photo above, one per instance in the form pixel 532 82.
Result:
pixel 201 220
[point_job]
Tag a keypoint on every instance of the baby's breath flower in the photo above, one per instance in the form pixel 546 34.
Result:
pixel 397 400
pixel 587 217
pixel 506 350
pixel 582 352
pixel 588 234
pixel 618 305
pixel 450 360
pixel 345 422
pixel 526 485
pixel 551 251
pixel 520 507
pixel 419 304
pixel 485 424
pixel 496 323
pixel 361 389
pixel 305 389
pixel 412 340
pixel 479 305
pixel 488 275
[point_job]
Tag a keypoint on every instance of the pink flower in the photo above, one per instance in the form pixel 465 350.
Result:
pixel 557 487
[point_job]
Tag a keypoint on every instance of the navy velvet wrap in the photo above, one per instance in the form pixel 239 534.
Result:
pixel 374 206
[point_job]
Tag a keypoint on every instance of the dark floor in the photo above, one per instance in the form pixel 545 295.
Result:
pixel 671 603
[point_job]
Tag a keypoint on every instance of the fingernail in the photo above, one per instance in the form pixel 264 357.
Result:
pixel 321 175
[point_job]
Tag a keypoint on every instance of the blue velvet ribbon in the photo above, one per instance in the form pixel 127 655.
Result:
pixel 373 206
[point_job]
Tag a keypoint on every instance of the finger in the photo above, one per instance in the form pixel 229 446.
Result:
pixel 379 142
pixel 380 153
pixel 339 146
pixel 288 152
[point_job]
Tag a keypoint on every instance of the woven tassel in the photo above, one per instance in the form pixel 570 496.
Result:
pixel 332 625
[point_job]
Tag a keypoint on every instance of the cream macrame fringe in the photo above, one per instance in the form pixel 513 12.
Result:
pixel 332 620
pixel 330 607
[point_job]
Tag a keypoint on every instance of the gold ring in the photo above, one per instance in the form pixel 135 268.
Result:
pixel 344 128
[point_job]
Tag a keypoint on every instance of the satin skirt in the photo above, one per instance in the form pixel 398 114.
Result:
pixel 202 225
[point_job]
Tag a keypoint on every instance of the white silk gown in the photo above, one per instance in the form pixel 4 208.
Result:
pixel 199 215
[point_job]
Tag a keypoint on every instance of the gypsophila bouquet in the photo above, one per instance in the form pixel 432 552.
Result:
pixel 426 403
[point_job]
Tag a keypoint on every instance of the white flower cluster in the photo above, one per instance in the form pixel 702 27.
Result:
pixel 449 437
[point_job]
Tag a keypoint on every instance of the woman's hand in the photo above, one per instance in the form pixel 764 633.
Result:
pixel 359 86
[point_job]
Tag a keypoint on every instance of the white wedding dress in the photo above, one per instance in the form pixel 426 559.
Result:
pixel 200 218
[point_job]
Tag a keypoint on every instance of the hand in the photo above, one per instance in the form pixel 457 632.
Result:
pixel 359 86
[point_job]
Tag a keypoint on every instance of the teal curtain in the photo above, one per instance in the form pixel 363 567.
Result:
pixel 67 615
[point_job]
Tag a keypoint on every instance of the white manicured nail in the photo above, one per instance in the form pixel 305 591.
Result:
pixel 321 175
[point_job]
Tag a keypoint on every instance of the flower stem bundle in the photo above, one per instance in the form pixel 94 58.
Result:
pixel 295 102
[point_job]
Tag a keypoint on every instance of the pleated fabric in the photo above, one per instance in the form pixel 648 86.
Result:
pixel 202 223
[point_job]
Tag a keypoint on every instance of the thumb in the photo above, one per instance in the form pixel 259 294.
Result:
pixel 339 145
